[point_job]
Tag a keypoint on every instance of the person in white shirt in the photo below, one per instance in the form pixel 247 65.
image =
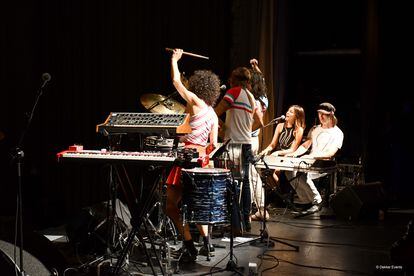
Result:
pixel 326 139
pixel 241 111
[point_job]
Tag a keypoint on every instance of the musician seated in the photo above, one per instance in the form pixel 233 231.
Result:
pixel 325 140
pixel 287 136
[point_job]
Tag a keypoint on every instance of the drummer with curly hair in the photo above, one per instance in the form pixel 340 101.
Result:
pixel 202 93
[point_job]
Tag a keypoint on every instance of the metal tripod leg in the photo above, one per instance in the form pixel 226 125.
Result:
pixel 164 222
pixel 263 233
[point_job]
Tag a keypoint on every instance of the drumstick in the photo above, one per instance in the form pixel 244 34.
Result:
pixel 188 53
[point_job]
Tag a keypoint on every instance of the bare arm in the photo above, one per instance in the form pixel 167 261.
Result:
pixel 326 154
pixel 187 95
pixel 294 146
pixel 213 136
pixel 275 140
pixel 257 119
pixel 302 149
pixel 255 65
pixel 222 107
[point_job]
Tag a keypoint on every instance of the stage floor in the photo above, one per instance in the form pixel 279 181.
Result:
pixel 326 246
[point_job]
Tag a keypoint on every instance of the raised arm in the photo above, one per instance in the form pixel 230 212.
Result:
pixel 187 95
pixel 255 65
pixel 257 118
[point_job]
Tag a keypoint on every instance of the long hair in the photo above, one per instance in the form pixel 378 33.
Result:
pixel 299 115
pixel 258 84
pixel 328 109
pixel 334 120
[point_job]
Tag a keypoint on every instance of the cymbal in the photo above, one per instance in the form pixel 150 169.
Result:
pixel 157 103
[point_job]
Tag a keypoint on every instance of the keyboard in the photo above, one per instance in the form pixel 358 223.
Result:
pixel 296 164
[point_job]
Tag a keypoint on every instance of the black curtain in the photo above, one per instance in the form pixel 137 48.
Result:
pixel 102 55
pixel 260 30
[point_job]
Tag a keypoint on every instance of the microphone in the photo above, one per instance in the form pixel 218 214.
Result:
pixel 279 119
pixel 46 78
pixel 223 87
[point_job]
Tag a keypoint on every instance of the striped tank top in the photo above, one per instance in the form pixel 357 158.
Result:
pixel 201 126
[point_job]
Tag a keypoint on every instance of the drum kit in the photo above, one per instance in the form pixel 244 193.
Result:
pixel 157 103
pixel 207 193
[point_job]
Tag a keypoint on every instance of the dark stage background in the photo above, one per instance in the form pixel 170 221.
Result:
pixel 102 55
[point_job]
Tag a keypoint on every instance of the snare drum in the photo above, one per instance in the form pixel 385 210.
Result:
pixel 205 195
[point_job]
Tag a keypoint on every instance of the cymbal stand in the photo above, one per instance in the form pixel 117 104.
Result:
pixel 264 237
pixel 162 101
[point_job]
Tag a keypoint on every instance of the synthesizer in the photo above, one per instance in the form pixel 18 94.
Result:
pixel 296 164
pixel 145 123
pixel 138 157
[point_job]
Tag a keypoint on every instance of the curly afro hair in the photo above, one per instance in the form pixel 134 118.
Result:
pixel 206 85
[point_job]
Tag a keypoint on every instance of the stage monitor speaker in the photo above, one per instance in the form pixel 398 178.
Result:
pixel 359 201
pixel 90 231
pixel 40 255
pixel 32 266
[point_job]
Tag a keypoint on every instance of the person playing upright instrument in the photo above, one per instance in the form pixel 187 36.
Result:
pixel 326 139
pixel 258 89
pixel 239 105
pixel 287 136
pixel 203 91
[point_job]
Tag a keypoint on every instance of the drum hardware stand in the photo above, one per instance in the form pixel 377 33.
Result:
pixel 231 264
pixel 164 224
pixel 18 156
pixel 264 237
pixel 224 151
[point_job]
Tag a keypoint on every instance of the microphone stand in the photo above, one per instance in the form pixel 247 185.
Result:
pixel 233 206
pixel 17 156
pixel 273 121
pixel 264 237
